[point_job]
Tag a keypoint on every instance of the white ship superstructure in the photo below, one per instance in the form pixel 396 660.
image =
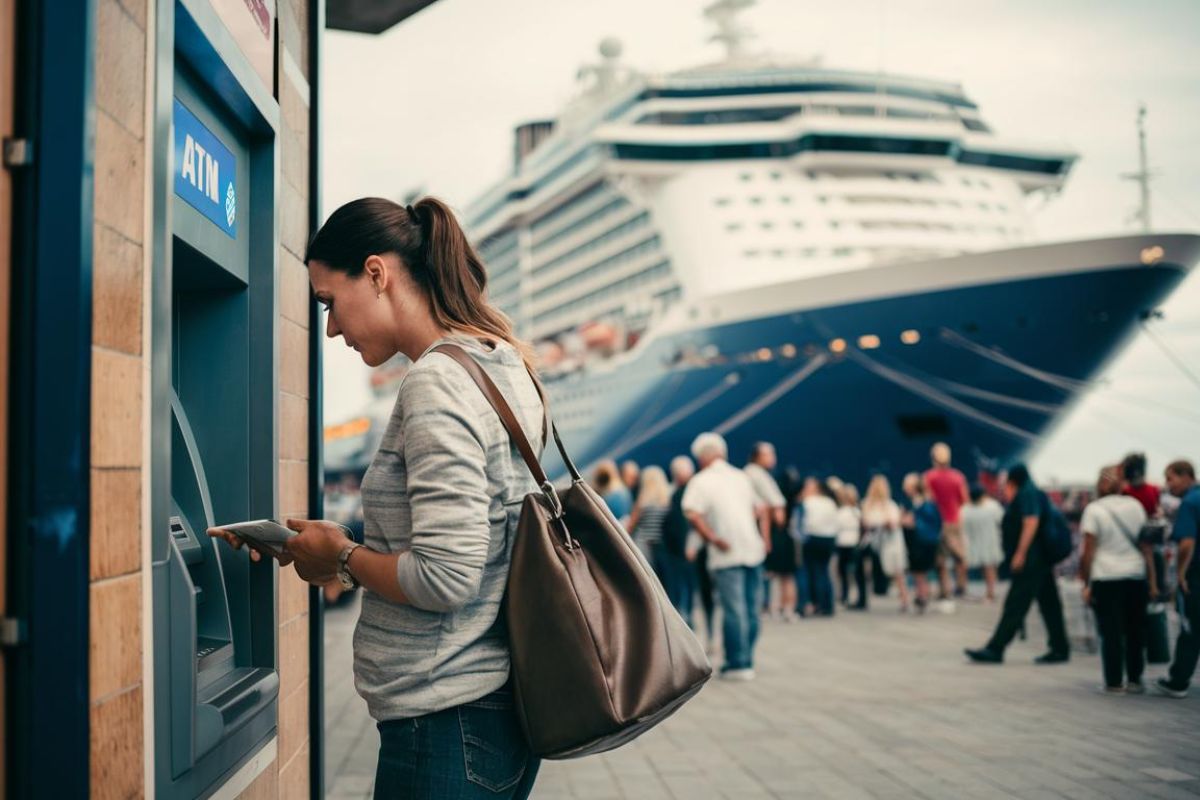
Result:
pixel 743 173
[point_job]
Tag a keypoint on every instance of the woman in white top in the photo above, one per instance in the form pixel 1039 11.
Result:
pixel 820 537
pixel 881 522
pixel 848 537
pixel 981 524
pixel 1114 568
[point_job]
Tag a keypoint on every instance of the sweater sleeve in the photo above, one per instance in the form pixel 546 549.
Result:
pixel 445 458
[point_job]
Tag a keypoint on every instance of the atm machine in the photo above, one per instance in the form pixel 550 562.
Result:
pixel 214 408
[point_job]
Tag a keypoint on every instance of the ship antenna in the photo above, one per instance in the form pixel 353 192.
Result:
pixel 730 32
pixel 1144 174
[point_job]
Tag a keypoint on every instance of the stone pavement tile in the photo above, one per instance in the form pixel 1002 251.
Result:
pixel 1168 774
pixel 1167 791
pixel 875 705
pixel 1117 790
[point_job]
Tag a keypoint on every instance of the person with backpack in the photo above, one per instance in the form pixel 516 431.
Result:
pixel 923 529
pixel 1033 544
pixel 1114 569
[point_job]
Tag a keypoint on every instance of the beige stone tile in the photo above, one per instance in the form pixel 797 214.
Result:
pixel 117 750
pixel 119 173
pixel 293 655
pixel 115 649
pixel 300 10
pixel 120 66
pixel 293 489
pixel 293 722
pixel 116 409
pixel 294 143
pixel 116 522
pixel 294 292
pixel 293 596
pixel 293 219
pixel 137 10
pixel 265 786
pixel 293 427
pixel 293 776
pixel 116 291
pixel 289 28
pixel 293 108
pixel 293 358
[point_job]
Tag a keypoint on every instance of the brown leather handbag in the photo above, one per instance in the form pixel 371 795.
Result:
pixel 599 655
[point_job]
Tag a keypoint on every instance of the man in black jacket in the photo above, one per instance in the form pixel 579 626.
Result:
pixel 1032 575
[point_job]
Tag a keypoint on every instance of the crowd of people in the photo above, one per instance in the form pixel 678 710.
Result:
pixel 801 547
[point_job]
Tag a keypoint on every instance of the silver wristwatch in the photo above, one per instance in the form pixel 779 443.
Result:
pixel 343 572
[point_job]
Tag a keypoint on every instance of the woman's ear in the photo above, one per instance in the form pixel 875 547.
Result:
pixel 377 273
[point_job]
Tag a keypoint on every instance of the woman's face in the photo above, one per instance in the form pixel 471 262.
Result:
pixel 1010 491
pixel 363 309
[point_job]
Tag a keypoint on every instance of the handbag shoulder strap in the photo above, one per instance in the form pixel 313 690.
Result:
pixel 1133 542
pixel 507 418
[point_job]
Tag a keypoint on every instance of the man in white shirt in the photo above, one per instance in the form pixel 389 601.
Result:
pixel 780 565
pixel 722 506
pixel 1114 567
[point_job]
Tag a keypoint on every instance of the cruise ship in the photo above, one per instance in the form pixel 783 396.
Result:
pixel 842 263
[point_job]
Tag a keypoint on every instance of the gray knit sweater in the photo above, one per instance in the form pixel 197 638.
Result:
pixel 444 491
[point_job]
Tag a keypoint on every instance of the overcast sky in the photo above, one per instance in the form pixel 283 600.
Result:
pixel 430 105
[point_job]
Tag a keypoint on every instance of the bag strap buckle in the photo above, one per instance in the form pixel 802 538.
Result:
pixel 551 495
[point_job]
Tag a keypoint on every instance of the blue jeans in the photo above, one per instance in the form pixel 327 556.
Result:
pixel 679 579
pixel 476 750
pixel 818 550
pixel 740 589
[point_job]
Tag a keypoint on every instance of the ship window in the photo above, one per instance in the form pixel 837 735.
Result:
pixel 920 426
pixel 983 182
pixel 750 253
pixel 746 176
pixel 767 225
pixel 733 226
pixel 797 223
pixel 984 207
pixel 776 176
pixel 966 181
pixel 1001 207
pixel 756 201
pixel 722 201
pixel 779 253
pixel 842 252
pixel 822 198
pixel 785 199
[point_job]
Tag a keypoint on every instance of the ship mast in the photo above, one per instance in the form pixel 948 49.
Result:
pixel 1143 175
pixel 730 32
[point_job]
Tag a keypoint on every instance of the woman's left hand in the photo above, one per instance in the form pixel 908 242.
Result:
pixel 315 548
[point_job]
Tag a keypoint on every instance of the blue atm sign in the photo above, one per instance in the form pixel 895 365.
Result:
pixel 205 171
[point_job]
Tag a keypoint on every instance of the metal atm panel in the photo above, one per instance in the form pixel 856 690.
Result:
pixel 214 414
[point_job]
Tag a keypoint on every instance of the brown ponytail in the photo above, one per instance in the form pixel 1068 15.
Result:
pixel 434 249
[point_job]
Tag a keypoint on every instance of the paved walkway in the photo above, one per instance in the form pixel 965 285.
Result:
pixel 875 705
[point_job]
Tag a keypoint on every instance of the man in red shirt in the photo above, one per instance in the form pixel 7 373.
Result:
pixel 949 489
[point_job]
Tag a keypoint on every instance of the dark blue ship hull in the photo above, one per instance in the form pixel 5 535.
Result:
pixel 861 411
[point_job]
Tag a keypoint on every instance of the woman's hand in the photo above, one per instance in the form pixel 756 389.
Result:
pixel 237 543
pixel 315 548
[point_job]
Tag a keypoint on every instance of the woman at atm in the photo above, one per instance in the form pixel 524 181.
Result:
pixel 440 502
